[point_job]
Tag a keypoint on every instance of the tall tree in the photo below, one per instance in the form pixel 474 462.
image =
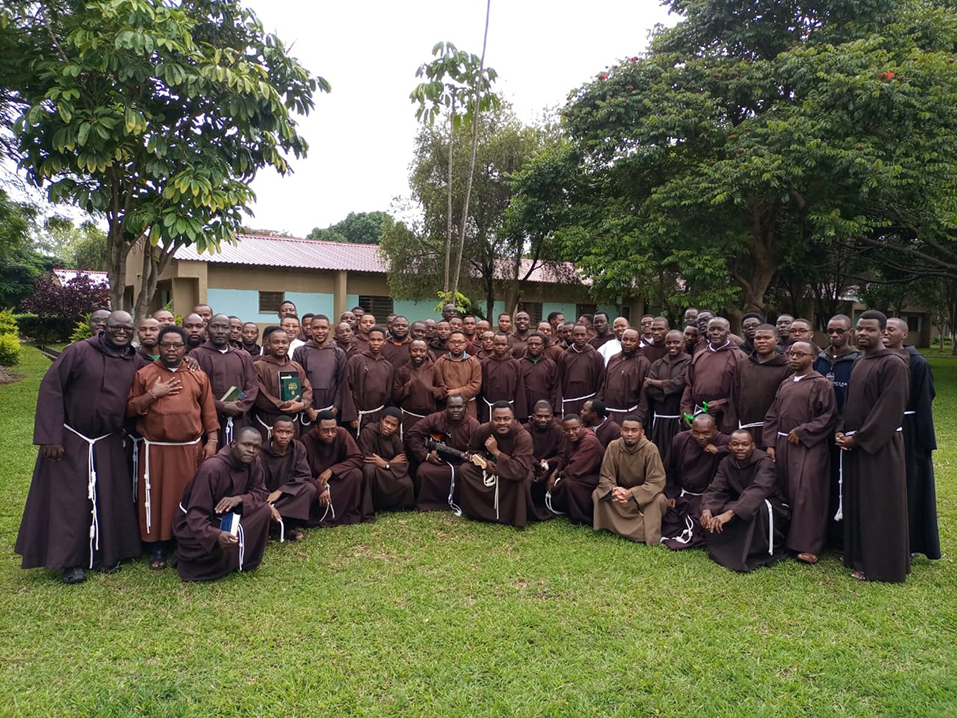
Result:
pixel 157 116
pixel 492 252
pixel 454 83
pixel 754 127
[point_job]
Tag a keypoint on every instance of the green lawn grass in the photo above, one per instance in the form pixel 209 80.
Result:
pixel 432 615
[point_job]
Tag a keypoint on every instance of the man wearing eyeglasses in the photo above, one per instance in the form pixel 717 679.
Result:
pixel 80 511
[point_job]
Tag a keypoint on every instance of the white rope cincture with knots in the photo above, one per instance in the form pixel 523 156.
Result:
pixel 137 440
pixel 654 419
pixel 452 505
pixel 577 398
pixel 146 471
pixel 363 414
pixel 491 480
pixel 548 499
pixel 91 487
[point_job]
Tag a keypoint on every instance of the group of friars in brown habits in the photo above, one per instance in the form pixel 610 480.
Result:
pixel 200 441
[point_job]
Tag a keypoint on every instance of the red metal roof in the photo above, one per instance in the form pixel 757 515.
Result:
pixel 256 250
pixel 290 252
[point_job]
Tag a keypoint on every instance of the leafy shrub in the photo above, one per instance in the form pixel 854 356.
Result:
pixel 81 330
pixel 8 322
pixel 9 350
pixel 46 330
pixel 63 305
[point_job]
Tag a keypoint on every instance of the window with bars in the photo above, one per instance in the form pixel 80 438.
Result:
pixel 269 302
pixel 533 310
pixel 379 307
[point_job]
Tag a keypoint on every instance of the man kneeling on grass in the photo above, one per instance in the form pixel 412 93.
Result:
pixel 229 483
pixel 743 510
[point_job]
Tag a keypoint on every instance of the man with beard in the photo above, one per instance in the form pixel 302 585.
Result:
pixel 548 448
pixel 440 342
pixel 704 317
pixel 148 334
pixel 345 339
pixel 594 416
pixel 756 381
pixel 622 390
pixel 418 330
pixel 250 339
pixel 502 380
pixel 195 329
pixel 164 317
pixel 386 468
pixel 539 373
pixel 229 482
pixel 581 369
pixel 835 363
pixel 460 373
pixel 368 384
pixel 628 499
pixel 335 461
pixel 692 463
pixel 742 510
pixel 396 348
pixel 749 325
pixel 271 368
pixel 690 316
pixel 235 332
pixel 81 483
pixel 436 474
pixel 784 329
pixel 518 338
pixel 664 386
pixel 499 491
pixel 603 331
pixel 418 388
pixel 325 366
pixel 919 444
pixel 228 368
pixel 570 486
pixel 174 409
pixel 874 468
pixel 430 330
pixel 565 334
pixel 711 375
pixel 796 431
pixel 287 478
pixel 613 345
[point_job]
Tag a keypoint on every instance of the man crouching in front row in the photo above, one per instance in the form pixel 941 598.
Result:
pixel 229 482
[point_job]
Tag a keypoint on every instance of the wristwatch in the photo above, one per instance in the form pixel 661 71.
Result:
pixel 388 466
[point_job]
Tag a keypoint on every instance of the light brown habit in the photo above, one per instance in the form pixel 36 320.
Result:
pixel 637 468
pixel 175 418
pixel 461 376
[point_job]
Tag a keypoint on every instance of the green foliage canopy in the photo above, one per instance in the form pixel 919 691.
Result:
pixel 357 228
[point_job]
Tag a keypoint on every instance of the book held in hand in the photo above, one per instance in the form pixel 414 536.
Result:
pixel 290 386
pixel 233 393
pixel 230 523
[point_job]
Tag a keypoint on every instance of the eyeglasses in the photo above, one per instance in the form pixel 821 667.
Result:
pixel 128 328
pixel 176 345
pixel 97 320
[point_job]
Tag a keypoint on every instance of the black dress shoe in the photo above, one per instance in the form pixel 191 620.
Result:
pixel 74 575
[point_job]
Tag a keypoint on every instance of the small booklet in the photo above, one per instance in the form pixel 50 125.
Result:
pixel 290 386
pixel 230 523
pixel 233 393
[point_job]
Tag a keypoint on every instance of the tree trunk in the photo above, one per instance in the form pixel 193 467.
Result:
pixel 763 264
pixel 471 174
pixel 117 249
pixel 448 229
pixel 155 262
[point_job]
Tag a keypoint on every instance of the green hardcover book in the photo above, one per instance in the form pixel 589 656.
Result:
pixel 233 393
pixel 290 386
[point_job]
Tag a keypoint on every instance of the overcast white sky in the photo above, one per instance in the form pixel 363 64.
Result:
pixel 361 134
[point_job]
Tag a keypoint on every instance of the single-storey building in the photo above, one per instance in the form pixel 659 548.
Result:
pixel 251 278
